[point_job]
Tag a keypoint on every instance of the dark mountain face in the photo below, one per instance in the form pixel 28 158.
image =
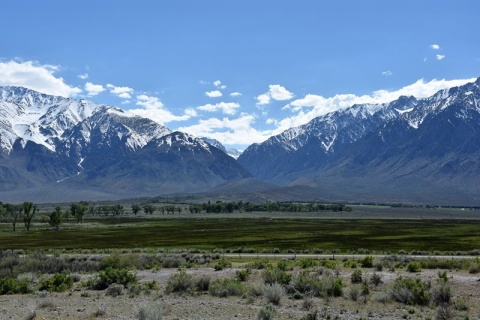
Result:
pixel 408 150
pixel 57 149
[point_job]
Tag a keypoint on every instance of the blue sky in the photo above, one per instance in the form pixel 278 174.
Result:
pixel 238 70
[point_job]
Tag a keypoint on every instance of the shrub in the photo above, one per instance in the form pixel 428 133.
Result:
pixel 242 274
pixel 355 292
pixel 305 282
pixel 266 312
pixel 375 279
pixel 380 297
pixel 151 285
pixel 410 291
pixel 461 305
pixel 327 286
pixel 109 275
pixel 222 264
pixel 173 262
pixel 367 262
pixel 314 315
pixel 114 290
pixel 274 293
pixel 225 288
pixel 414 267
pixel 307 263
pixel 202 283
pixel 444 312
pixel 275 275
pixel 258 264
pixel 256 290
pixel 118 261
pixel 441 292
pixel 14 286
pixel 150 312
pixel 356 276
pixel 60 282
pixel 474 266
pixel 134 289
pixel 179 282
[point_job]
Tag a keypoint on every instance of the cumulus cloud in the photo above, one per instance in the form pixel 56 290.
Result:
pixel 275 92
pixel 213 94
pixel 121 92
pixel 153 109
pixel 226 107
pixel 32 75
pixel 235 94
pixel 311 106
pixel 387 73
pixel 93 89
pixel 440 56
pixel 218 84
pixel 263 99
pixel 435 46
pixel 229 131
pixel 83 76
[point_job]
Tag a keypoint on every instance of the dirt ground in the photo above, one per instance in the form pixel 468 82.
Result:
pixel 80 303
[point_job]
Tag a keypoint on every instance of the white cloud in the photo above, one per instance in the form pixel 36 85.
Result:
pixel 387 73
pixel 275 92
pixel 218 84
pixel 93 89
pixel 213 94
pixel 440 56
pixel 153 109
pixel 229 131
pixel 312 105
pixel 226 107
pixel 235 94
pixel 435 46
pixel 122 92
pixel 263 99
pixel 149 102
pixel 83 76
pixel 32 75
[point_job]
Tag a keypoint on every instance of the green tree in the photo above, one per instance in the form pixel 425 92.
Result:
pixel 29 210
pixel 149 208
pixel 78 210
pixel 3 213
pixel 15 211
pixel 56 218
pixel 136 209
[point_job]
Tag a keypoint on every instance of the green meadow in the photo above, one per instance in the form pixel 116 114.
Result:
pixel 208 233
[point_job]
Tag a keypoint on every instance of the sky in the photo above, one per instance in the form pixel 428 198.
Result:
pixel 238 71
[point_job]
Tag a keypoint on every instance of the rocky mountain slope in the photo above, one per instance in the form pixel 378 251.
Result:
pixel 53 147
pixel 425 150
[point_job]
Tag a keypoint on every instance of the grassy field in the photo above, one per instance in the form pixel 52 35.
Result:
pixel 347 235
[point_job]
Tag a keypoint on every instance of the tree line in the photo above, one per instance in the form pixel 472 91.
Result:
pixel 26 211
pixel 229 207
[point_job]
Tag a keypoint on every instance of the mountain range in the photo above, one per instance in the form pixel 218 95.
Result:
pixel 54 149
pixel 408 150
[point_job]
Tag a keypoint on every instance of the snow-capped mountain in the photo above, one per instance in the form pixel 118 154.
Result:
pixel 406 150
pixel 232 152
pixel 55 143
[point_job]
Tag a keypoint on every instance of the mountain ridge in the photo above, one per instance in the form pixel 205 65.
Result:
pixel 60 144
